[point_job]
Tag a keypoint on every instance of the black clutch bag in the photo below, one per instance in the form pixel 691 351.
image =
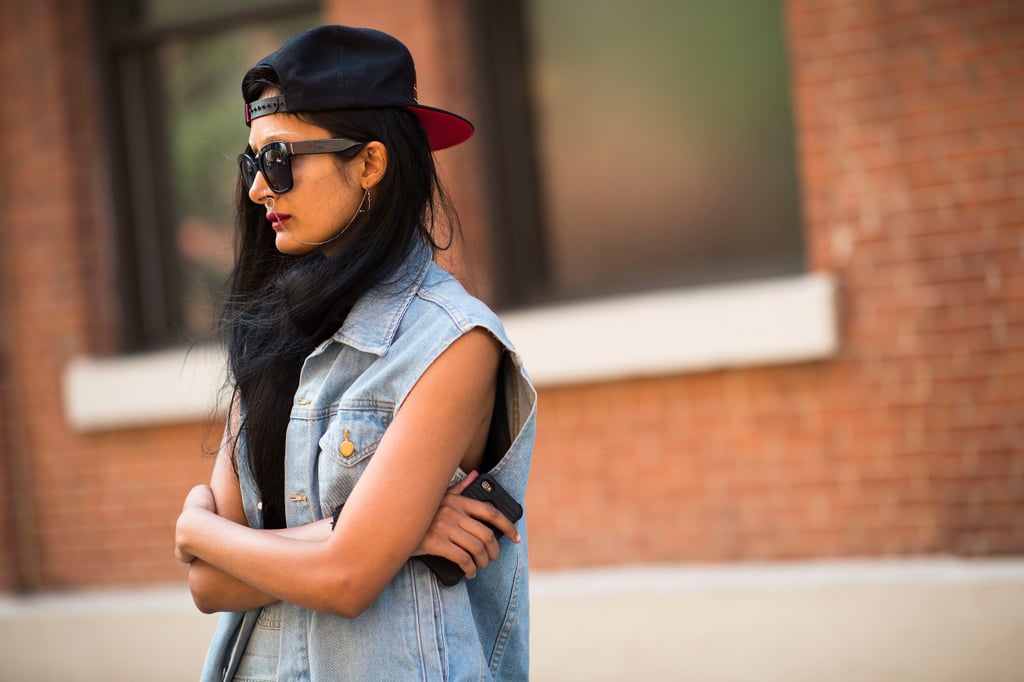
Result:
pixel 486 489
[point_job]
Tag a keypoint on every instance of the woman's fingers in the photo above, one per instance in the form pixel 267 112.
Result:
pixel 482 511
pixel 471 552
pixel 463 530
pixel 199 497
pixel 183 556
pixel 478 541
pixel 180 534
pixel 461 486
pixel 487 513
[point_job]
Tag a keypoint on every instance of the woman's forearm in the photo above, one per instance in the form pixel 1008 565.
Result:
pixel 318 531
pixel 214 590
pixel 230 547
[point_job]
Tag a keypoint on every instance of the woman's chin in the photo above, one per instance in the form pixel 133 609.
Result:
pixel 287 245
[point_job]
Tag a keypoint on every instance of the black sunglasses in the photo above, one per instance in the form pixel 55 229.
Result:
pixel 275 160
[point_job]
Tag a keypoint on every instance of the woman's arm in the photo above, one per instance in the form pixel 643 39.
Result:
pixel 458 532
pixel 387 516
pixel 212 589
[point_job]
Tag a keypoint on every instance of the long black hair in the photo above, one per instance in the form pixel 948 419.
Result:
pixel 281 307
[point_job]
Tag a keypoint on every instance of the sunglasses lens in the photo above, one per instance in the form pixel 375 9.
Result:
pixel 247 166
pixel 274 161
pixel 276 167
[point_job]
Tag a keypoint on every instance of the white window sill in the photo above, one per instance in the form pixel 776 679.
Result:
pixel 165 387
pixel 773 321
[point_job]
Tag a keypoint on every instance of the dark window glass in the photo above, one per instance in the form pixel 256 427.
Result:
pixel 659 138
pixel 173 75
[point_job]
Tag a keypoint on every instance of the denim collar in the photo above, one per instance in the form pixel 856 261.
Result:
pixel 372 323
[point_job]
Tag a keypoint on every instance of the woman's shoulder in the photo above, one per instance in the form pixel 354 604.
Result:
pixel 442 295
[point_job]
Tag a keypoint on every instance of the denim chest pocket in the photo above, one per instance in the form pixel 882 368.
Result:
pixel 346 449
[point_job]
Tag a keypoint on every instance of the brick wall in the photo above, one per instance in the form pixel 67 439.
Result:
pixel 911 143
pixel 926 231
pixel 8 546
pixel 103 506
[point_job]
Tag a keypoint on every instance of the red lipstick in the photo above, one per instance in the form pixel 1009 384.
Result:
pixel 277 220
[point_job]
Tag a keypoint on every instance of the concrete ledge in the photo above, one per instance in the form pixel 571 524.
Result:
pixel 774 321
pixel 685 330
pixel 172 386
pixel 941 620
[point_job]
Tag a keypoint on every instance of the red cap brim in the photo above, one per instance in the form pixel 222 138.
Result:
pixel 444 129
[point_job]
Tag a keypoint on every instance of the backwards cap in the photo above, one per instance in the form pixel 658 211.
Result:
pixel 340 67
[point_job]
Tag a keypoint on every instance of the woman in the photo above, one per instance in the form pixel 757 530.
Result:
pixel 367 381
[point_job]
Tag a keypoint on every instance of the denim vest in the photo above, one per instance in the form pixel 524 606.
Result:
pixel 349 391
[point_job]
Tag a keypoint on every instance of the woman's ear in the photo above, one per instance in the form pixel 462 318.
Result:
pixel 375 161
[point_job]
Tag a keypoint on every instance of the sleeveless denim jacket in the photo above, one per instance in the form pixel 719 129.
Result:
pixel 349 390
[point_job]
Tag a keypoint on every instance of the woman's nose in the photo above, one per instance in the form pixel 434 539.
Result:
pixel 259 189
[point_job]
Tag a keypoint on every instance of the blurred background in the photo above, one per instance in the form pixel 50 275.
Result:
pixel 764 260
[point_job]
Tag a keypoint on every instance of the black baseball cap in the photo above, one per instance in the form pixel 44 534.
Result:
pixel 340 67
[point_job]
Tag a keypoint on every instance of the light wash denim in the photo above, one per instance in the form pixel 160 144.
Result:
pixel 349 391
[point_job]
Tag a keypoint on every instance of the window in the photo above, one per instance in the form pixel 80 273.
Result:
pixel 637 145
pixel 173 70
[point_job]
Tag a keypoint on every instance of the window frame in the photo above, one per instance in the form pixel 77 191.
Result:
pixel 497 34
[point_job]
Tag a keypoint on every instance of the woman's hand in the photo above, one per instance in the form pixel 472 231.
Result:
pixel 459 531
pixel 201 499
